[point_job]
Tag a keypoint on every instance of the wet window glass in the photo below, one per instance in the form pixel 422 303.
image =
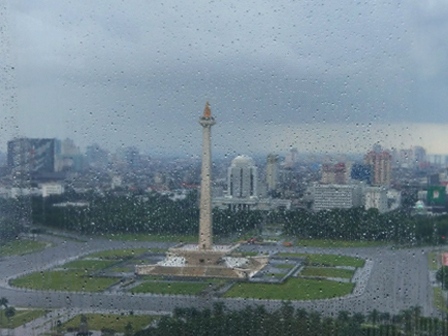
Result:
pixel 232 168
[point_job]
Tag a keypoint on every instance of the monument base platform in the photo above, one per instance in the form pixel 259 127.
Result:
pixel 190 261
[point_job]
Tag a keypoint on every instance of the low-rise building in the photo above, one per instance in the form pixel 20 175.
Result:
pixel 52 189
pixel 336 196
pixel 376 197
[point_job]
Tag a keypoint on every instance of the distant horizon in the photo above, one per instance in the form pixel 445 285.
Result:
pixel 331 77
pixel 222 155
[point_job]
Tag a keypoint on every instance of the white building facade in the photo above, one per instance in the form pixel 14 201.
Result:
pixel 242 178
pixel 52 189
pixel 336 196
pixel 376 197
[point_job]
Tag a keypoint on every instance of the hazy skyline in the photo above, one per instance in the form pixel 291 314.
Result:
pixel 333 77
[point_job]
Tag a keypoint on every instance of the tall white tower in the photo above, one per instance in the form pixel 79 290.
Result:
pixel 205 219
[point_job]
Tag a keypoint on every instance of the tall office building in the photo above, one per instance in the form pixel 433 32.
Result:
pixel 334 173
pixel 361 172
pixel 291 158
pixel 381 165
pixel 419 155
pixel 68 156
pixel 242 177
pixel 272 172
pixel 32 156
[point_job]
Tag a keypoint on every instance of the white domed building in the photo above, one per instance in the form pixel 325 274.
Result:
pixel 242 189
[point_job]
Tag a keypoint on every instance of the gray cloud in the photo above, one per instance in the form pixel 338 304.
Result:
pixel 140 72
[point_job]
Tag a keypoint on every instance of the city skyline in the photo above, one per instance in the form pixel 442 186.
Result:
pixel 319 77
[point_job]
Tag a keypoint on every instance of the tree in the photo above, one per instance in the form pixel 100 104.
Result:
pixel 442 276
pixel 9 313
pixel 128 329
pixel 3 303
pixel 83 326
pixel 373 317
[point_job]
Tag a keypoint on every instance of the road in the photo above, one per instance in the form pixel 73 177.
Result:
pixel 399 280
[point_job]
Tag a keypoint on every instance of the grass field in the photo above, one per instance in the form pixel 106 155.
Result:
pixel 284 266
pixel 115 322
pixel 439 300
pixel 329 260
pixel 327 272
pixel 120 269
pixel 292 289
pixel 153 238
pixel 88 265
pixel 336 243
pixel 172 288
pixel 72 280
pixel 277 275
pixel 20 247
pixel 433 260
pixel 21 317
pixel 118 254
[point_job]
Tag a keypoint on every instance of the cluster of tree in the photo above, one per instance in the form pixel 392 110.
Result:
pixel 359 224
pixel 442 276
pixel 154 213
pixel 8 311
pixel 289 321
pixel 158 214
pixel 14 215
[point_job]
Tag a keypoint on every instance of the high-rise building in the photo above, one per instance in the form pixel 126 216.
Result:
pixel 381 165
pixel 334 173
pixel 32 156
pixel 291 158
pixel 69 156
pixel 361 172
pixel 419 155
pixel 272 172
pixel 96 156
pixel 242 178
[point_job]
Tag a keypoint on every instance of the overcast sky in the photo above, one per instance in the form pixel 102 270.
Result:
pixel 331 76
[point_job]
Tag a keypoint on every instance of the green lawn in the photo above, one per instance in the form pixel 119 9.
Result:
pixel 439 300
pixel 329 260
pixel 277 275
pixel 171 288
pixel 115 322
pixel 88 265
pixel 284 266
pixel 433 260
pixel 120 269
pixel 327 272
pixel 337 243
pixel 153 238
pixel 20 247
pixel 21 317
pixel 291 289
pixel 118 254
pixel 72 280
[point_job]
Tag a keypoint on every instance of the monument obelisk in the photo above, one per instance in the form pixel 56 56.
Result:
pixel 205 208
pixel 204 259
